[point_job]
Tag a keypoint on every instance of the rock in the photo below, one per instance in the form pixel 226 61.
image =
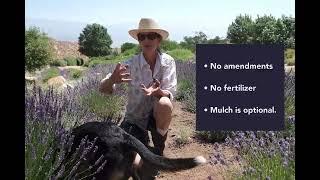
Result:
pixel 57 81
pixel 30 79
pixel 66 85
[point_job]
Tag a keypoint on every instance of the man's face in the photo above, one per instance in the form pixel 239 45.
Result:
pixel 149 41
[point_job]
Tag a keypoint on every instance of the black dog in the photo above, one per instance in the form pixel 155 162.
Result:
pixel 118 147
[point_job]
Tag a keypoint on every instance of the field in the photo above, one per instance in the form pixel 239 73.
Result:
pixel 51 112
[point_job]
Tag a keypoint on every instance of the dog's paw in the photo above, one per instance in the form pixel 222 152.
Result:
pixel 200 160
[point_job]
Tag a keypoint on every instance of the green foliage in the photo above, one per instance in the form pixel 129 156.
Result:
pixel 80 61
pixel 189 42
pixel 50 73
pixel 266 167
pixel 131 52
pixel 266 30
pixel 289 105
pixel 75 73
pixel 103 105
pixel 168 45
pixel 263 30
pixel 126 46
pixel 190 102
pixel 38 160
pixel 110 59
pixel 95 62
pixel 289 57
pixel 71 61
pixel 241 30
pixel 38 52
pixel 217 40
pixel 183 136
pixel 186 94
pixel 181 54
pixel 95 41
pixel 184 88
pixel 58 62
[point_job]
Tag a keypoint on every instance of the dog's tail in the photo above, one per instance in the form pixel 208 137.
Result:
pixel 160 162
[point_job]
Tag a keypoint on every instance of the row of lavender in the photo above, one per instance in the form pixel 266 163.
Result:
pixel 49 114
pixel 268 154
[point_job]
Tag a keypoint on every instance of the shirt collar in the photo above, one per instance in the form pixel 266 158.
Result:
pixel 143 63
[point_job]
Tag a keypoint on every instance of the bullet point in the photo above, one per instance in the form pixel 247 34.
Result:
pixel 205 109
pixel 205 65
pixel 205 87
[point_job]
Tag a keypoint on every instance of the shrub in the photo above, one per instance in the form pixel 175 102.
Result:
pixel 47 141
pixel 126 46
pixel 262 166
pixel 50 73
pixel 38 52
pixel 58 62
pixel 71 61
pixel 290 57
pixel 131 52
pixel 95 62
pixel 86 62
pixel 103 105
pixel 190 102
pixel 186 72
pixel 189 42
pixel 181 54
pixel 40 155
pixel 184 88
pixel 80 61
pixel 75 73
pixel 168 45
pixel 95 41
pixel 289 94
pixel 183 137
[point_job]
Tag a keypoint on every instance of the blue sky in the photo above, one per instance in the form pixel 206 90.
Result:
pixel 179 17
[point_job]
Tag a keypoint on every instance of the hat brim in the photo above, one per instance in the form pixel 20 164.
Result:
pixel 134 32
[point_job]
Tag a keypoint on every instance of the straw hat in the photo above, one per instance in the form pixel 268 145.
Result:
pixel 148 25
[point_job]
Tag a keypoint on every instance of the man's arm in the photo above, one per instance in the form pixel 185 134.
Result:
pixel 168 86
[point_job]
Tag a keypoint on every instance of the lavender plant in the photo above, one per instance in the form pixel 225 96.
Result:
pixel 269 154
pixel 49 116
pixel 186 77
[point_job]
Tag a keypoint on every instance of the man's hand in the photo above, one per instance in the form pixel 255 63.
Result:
pixel 153 90
pixel 119 75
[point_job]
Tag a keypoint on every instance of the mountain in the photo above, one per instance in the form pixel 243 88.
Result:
pixel 70 31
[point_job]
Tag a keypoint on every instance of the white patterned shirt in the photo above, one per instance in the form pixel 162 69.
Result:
pixel 140 106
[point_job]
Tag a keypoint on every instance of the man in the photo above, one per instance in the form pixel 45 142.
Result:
pixel 152 80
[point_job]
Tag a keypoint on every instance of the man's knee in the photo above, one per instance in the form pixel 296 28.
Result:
pixel 164 103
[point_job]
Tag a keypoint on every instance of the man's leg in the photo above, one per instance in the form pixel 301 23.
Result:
pixel 162 111
pixel 158 125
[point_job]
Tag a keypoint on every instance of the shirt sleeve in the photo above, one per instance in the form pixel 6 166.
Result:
pixel 115 86
pixel 169 80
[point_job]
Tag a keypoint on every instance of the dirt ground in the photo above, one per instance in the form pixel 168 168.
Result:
pixel 184 121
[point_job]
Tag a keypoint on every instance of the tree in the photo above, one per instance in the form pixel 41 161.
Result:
pixel 191 41
pixel 38 52
pixel 289 32
pixel 265 30
pixel 127 45
pixel 95 41
pixel 168 45
pixel 242 30
pixel 215 40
